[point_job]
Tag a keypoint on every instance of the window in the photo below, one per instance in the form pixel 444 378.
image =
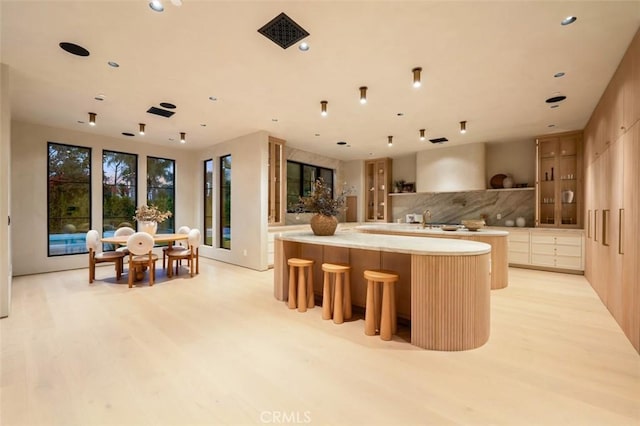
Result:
pixel 68 198
pixel 161 190
pixel 300 179
pixel 225 202
pixel 119 190
pixel 208 202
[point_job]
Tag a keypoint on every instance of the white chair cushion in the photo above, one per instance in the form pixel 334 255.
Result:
pixel 124 231
pixel 194 238
pixel 93 240
pixel 140 243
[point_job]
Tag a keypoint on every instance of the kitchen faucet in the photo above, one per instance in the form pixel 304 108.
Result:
pixel 426 218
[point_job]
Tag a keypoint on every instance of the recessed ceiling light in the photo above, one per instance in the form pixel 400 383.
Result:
pixel 113 64
pixel 213 98
pixel 74 49
pixel 304 46
pixel 341 143
pixel 80 122
pixel 559 74
pixel 167 105
pixel 568 20
pixel 317 134
pixel 400 114
pixel 99 97
pixel 275 120
pixel 203 125
pixel 554 99
pixel 555 106
pixel 156 5
pixel 127 134
pixel 551 125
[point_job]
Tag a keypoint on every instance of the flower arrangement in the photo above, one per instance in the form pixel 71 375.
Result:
pixel 320 200
pixel 151 213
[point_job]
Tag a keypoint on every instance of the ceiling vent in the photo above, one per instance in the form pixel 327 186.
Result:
pixel 283 31
pixel 439 140
pixel 161 112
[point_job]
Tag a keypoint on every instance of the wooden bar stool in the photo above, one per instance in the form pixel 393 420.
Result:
pixel 374 319
pixel 304 288
pixel 340 304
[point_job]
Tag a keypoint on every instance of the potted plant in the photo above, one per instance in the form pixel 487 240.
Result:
pixel 148 217
pixel 325 207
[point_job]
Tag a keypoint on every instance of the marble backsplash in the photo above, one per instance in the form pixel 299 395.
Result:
pixel 452 207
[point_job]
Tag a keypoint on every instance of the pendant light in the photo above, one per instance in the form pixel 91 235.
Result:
pixel 183 137
pixel 463 127
pixel 92 118
pixel 416 77
pixel 363 95
pixel 141 132
pixel 422 137
pixel 390 143
pixel 323 108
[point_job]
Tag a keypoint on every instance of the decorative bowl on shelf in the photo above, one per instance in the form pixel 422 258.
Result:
pixel 473 224
pixel 450 227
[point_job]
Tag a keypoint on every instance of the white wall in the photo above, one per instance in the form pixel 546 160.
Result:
pixel 517 159
pixel 249 199
pixel 404 168
pixel 456 168
pixel 29 189
pixel 5 198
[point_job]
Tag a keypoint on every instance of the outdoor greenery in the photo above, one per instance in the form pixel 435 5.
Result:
pixel 119 189
pixel 161 189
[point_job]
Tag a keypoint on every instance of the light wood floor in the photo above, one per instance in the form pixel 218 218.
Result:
pixel 219 349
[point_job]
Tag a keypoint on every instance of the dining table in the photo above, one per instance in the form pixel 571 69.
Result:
pixel 157 238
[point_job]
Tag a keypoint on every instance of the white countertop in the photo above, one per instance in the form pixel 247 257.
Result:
pixel 418 229
pixel 392 243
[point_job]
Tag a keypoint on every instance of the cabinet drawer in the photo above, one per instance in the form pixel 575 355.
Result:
pixel 569 240
pixel 568 262
pixel 519 258
pixel 518 247
pixel 518 236
pixel 549 249
pixel 543 259
pixel 573 251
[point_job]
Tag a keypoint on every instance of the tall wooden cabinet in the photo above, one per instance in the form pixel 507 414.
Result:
pixel 377 178
pixel 559 180
pixel 612 195
pixel 276 181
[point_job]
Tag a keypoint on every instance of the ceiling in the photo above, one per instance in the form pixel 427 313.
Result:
pixel 491 64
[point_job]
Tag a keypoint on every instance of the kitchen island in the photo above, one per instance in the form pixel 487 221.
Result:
pixel 443 288
pixel 496 238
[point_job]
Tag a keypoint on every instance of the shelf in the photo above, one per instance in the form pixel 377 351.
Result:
pixel 529 188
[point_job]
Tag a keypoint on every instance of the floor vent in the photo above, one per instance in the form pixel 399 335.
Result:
pixel 283 31
pixel 439 140
pixel 161 112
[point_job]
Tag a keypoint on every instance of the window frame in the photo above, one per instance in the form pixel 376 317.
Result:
pixel 301 186
pixel 136 183
pixel 222 205
pixel 172 219
pixel 208 202
pixel 89 150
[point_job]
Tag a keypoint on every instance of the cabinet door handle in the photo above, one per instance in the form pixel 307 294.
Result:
pixel 588 223
pixel 605 226
pixel 595 225
pixel 620 231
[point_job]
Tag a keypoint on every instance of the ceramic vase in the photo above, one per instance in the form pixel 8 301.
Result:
pixel 148 226
pixel 323 225
pixel 520 222
pixel 567 196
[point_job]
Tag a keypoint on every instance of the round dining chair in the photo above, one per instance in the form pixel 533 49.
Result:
pixel 190 253
pixel 96 255
pixel 140 245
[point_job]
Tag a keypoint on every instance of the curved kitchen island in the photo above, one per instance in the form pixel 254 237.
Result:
pixel 496 238
pixel 444 286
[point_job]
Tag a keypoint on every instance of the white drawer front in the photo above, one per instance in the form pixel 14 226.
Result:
pixel 549 249
pixel 518 237
pixel 574 251
pixel 569 240
pixel 568 262
pixel 543 260
pixel 518 247
pixel 519 258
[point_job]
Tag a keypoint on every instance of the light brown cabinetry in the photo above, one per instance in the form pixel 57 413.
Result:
pixel 377 184
pixel 276 181
pixel 612 195
pixel 559 180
